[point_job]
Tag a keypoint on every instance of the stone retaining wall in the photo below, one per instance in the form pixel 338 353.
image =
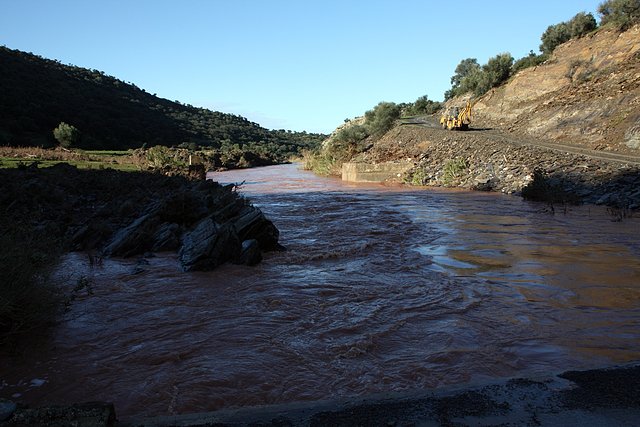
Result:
pixel 375 172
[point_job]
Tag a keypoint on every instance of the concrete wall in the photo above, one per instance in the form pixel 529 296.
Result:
pixel 380 172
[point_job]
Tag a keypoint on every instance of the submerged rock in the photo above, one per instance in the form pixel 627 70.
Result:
pixel 250 253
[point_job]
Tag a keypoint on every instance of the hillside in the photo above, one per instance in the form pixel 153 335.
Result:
pixel 38 94
pixel 587 93
pixel 566 131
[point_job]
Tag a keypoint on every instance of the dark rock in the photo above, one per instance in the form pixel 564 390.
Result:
pixel 137 270
pixel 7 408
pixel 250 253
pixel 167 237
pixel 208 245
pixel 135 238
pixel 186 207
pixel 95 414
pixel 251 223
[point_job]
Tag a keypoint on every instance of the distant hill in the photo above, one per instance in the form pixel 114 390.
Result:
pixel 38 94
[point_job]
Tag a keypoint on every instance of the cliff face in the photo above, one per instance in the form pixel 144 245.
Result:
pixel 587 93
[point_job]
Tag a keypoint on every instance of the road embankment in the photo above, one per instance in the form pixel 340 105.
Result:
pixel 490 160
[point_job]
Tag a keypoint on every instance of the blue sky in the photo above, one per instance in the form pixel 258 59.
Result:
pixel 299 65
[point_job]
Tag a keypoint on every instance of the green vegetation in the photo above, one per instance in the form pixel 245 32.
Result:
pixel 353 138
pixel 581 24
pixel 454 169
pixel 530 60
pixel 40 95
pixel 13 157
pixel 621 14
pixel 422 105
pixel 471 77
pixel 67 135
pixel 418 176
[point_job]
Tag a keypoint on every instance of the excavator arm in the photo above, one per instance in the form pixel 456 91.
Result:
pixel 458 119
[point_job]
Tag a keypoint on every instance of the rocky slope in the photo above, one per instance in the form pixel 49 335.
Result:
pixel 587 93
pixel 565 131
pixel 491 160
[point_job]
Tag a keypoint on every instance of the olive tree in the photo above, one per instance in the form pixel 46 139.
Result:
pixel 381 118
pixel 620 13
pixel 554 36
pixel 67 135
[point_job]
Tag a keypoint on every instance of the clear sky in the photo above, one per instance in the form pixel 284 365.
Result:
pixel 285 64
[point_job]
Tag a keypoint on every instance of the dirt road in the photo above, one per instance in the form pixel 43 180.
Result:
pixel 501 136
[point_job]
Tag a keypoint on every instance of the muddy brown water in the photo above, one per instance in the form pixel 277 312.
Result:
pixel 382 289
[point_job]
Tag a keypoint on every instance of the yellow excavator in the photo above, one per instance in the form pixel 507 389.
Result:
pixel 454 118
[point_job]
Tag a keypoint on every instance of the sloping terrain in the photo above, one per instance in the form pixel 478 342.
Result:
pixel 587 93
pixel 37 94
pixel 565 131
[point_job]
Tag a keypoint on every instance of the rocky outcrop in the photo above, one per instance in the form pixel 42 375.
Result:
pixel 129 214
pixel 587 93
pixel 490 160
pixel 209 225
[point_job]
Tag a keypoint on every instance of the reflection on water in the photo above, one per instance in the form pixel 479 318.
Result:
pixel 381 289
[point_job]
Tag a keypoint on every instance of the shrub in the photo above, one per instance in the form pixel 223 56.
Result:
pixel 530 60
pixel 463 69
pixel 66 134
pixel 466 77
pixel 554 36
pixel 381 118
pixel 476 79
pixel 422 105
pixel 581 24
pixel 418 176
pixel 622 14
pixel 495 72
pixel 160 157
pixel 454 169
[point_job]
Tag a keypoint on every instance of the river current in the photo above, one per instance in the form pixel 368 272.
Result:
pixel 381 289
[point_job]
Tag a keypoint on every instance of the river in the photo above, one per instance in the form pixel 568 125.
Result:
pixel 381 289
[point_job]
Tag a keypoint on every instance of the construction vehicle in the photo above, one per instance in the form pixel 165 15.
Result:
pixel 454 118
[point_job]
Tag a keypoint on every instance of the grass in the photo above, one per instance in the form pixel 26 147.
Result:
pixel 107 152
pixel 8 163
pixel 13 157
pixel 454 169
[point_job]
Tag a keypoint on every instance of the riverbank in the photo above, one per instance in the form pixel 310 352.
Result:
pixel 609 396
pixel 489 160
pixel 49 211
pixel 383 288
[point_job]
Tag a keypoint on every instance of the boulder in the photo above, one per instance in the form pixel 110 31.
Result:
pixel 208 245
pixel 167 237
pixel 134 239
pixel 250 223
